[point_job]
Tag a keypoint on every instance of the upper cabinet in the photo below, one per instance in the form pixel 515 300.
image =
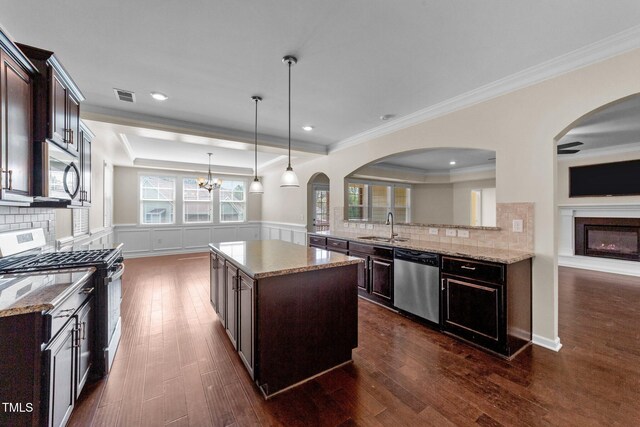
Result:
pixel 86 136
pixel 16 124
pixel 57 101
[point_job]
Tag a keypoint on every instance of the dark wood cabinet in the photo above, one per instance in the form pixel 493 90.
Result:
pixel 84 342
pixel 16 124
pixel 60 355
pixel 246 321
pixel 231 303
pixel 488 304
pixel 381 277
pixel 213 281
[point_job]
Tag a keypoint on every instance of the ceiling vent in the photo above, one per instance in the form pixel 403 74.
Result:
pixel 125 95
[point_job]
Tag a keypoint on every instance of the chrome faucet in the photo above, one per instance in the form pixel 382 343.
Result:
pixel 390 222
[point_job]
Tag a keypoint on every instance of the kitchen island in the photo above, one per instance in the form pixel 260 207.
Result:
pixel 290 311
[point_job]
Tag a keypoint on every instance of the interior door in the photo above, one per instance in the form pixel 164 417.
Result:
pixel 320 207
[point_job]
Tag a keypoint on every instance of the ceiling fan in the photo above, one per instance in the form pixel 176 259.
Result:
pixel 564 148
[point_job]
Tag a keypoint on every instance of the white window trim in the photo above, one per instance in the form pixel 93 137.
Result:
pixel 183 201
pixel 245 201
pixel 367 197
pixel 175 202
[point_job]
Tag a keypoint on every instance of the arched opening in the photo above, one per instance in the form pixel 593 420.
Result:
pixel 318 208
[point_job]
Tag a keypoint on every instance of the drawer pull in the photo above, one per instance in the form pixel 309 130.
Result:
pixel 86 291
pixel 468 268
pixel 61 315
pixel 67 310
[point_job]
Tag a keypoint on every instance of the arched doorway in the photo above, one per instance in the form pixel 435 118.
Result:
pixel 318 208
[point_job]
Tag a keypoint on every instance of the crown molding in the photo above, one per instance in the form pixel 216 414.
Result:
pixel 191 167
pixel 596 52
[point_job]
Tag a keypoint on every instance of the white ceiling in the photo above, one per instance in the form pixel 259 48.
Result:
pixel 359 59
pixel 437 160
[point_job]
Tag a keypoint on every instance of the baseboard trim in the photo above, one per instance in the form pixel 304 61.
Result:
pixel 553 345
pixel 146 254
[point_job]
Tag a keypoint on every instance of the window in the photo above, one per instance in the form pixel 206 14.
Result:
pixel 157 199
pixel 197 202
pixel 374 200
pixel 233 203
pixel 80 221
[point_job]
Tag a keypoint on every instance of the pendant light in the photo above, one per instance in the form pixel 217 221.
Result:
pixel 289 178
pixel 256 185
pixel 210 183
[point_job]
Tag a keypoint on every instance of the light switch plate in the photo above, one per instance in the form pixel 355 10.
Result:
pixel 362 225
pixel 353 225
pixel 518 226
pixel 369 226
pixel 345 224
pixel 463 233
pixel 451 232
pixel 433 231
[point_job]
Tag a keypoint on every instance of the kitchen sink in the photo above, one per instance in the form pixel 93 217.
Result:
pixel 384 239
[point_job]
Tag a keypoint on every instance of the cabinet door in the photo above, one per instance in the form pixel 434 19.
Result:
pixel 59 95
pixel 16 128
pixel 61 375
pixel 363 271
pixel 382 277
pixel 213 289
pixel 231 325
pixel 73 125
pixel 246 288
pixel 85 166
pixel 473 310
pixel 84 341
pixel 221 308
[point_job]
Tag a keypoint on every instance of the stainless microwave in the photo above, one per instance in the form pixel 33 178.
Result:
pixel 62 177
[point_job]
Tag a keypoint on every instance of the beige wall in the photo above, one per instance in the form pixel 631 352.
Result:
pixel 563 179
pixel 125 194
pixel 462 199
pixel 64 227
pixel 432 203
pixel 521 128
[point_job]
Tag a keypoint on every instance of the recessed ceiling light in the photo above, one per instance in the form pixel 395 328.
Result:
pixel 308 128
pixel 452 162
pixel 159 96
pixel 387 117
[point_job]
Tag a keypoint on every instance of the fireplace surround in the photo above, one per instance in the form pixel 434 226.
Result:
pixel 617 238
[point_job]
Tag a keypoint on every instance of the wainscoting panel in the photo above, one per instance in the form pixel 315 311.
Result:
pixel 197 237
pixel 226 234
pixel 135 241
pixel 167 239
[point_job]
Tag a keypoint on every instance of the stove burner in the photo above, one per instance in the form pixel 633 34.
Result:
pixel 57 260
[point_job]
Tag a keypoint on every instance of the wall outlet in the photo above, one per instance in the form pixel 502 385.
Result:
pixel 518 225
pixel 353 225
pixel 450 232
pixel 345 224
pixel 362 225
pixel 433 231
pixel 463 233
pixel 369 226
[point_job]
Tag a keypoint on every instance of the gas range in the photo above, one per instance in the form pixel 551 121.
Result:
pixel 25 251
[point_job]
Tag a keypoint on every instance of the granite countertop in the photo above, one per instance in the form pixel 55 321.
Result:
pixel 268 258
pixel 37 292
pixel 504 256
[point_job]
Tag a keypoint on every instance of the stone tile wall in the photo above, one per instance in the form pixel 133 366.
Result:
pixel 501 238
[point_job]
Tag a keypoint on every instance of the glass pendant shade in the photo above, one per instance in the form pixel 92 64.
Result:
pixel 289 178
pixel 256 187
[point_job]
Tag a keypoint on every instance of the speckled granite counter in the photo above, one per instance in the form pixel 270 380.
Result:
pixel 32 292
pixel 503 256
pixel 268 258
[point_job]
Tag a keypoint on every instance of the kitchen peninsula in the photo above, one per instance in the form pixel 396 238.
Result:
pixel 290 311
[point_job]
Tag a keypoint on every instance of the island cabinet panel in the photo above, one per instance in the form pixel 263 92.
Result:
pixel 231 302
pixel 382 278
pixel 488 304
pixel 246 321
pixel 221 307
pixel 307 323
pixel 213 281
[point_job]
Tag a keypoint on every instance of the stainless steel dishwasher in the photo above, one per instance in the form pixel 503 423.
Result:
pixel 416 283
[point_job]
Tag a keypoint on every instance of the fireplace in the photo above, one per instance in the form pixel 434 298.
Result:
pixel 617 238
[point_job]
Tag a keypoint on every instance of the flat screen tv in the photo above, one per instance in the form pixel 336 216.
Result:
pixel 605 179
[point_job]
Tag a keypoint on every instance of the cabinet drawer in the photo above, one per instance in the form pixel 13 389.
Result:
pixel 380 251
pixel 55 319
pixel 488 272
pixel 317 241
pixel 337 244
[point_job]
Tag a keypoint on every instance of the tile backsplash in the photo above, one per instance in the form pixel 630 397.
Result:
pixel 12 218
pixel 503 237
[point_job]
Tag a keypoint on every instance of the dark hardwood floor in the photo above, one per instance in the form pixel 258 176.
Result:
pixel 176 367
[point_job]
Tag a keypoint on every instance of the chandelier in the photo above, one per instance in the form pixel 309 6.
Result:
pixel 210 183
